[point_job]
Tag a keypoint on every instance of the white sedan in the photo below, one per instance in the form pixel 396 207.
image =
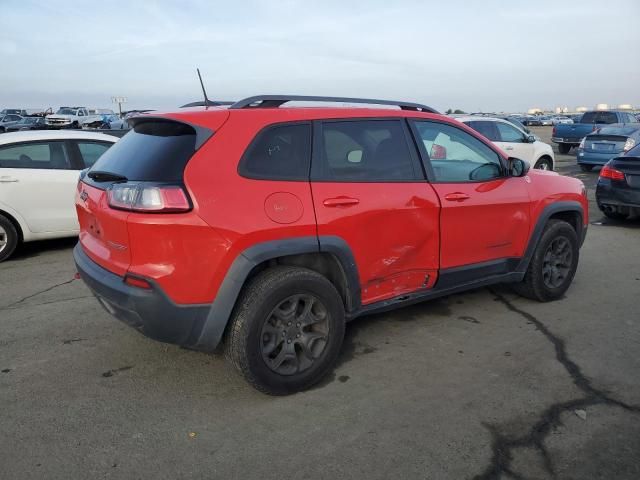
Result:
pixel 38 177
pixel 514 141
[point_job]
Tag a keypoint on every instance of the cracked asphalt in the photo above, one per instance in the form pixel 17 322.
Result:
pixel 481 385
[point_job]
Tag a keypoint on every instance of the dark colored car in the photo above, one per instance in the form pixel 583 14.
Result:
pixel 618 189
pixel 27 123
pixel 264 228
pixel 606 143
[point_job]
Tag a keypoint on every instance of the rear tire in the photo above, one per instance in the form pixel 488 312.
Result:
pixel 286 330
pixel 564 148
pixel 8 238
pixel 553 264
pixel 613 214
pixel 585 167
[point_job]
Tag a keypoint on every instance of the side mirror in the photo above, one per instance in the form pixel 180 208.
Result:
pixel 518 167
pixel 530 138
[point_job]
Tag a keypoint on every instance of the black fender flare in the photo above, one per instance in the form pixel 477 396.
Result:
pixel 536 233
pixel 222 307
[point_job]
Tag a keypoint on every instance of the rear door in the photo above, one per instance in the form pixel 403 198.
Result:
pixel 369 190
pixel 484 220
pixel 90 151
pixel 37 180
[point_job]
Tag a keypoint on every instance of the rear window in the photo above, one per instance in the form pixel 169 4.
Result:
pixel 599 117
pixel 617 131
pixel 153 151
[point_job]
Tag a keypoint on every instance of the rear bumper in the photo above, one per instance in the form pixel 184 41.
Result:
pixel 593 158
pixel 149 311
pixel 607 193
pixel 572 140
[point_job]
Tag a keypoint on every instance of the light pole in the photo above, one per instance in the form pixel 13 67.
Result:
pixel 119 101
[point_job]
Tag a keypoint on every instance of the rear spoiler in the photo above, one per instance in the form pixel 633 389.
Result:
pixel 202 133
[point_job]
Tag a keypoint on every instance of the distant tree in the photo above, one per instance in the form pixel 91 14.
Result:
pixel 456 111
pixel 449 112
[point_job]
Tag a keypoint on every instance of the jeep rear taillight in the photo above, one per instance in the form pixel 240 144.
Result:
pixel 553 132
pixel 148 198
pixel 611 173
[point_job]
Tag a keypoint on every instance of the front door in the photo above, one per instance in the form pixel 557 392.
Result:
pixel 369 189
pixel 514 142
pixel 485 213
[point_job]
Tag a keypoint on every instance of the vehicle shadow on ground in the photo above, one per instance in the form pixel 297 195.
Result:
pixel 34 249
pixel 631 222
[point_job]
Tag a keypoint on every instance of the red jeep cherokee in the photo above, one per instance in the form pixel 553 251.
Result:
pixel 266 228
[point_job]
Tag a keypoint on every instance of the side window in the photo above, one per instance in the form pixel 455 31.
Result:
pixel 455 156
pixel 364 151
pixel 279 152
pixel 509 133
pixel 487 129
pixel 37 155
pixel 91 151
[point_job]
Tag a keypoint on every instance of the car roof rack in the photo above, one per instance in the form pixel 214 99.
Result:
pixel 275 101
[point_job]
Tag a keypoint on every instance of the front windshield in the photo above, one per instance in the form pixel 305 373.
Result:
pixel 66 111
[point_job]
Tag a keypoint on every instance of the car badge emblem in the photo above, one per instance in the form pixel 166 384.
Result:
pixel 84 195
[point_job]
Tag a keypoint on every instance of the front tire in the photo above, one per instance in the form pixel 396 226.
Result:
pixel 286 330
pixel 8 238
pixel 553 265
pixel 544 163
pixel 564 148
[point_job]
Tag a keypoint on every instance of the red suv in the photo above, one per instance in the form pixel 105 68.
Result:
pixel 265 228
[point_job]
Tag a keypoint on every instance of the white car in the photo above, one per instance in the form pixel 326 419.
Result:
pixel 561 120
pixel 514 141
pixel 39 173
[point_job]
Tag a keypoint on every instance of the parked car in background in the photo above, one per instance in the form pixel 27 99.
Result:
pixel 108 122
pixel 68 117
pixel 8 119
pixel 26 123
pixel 514 141
pixel 567 136
pixel 546 121
pixel 605 143
pixel 618 189
pixel 38 176
pixel 276 278
pixel 561 121
pixel 13 111
pixel 532 121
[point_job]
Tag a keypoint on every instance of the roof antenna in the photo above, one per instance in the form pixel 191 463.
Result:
pixel 206 100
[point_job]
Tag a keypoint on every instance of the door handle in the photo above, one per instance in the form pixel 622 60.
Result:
pixel 508 148
pixel 340 202
pixel 7 179
pixel 456 197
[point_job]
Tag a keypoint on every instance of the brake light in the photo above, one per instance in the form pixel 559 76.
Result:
pixel 142 197
pixel 438 152
pixel 582 142
pixel 611 173
pixel 553 132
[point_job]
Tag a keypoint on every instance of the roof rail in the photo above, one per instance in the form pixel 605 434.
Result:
pixel 274 101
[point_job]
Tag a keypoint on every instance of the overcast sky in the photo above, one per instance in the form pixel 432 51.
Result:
pixel 489 55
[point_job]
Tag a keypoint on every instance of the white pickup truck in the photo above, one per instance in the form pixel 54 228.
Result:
pixel 67 117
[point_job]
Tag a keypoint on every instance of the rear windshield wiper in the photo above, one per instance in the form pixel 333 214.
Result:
pixel 100 176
